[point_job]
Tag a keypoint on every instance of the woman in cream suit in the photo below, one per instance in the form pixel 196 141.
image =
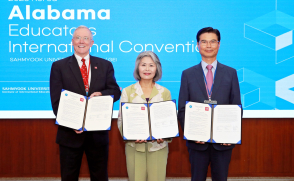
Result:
pixel 146 161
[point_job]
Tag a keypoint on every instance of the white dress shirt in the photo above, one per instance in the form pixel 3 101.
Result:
pixel 205 70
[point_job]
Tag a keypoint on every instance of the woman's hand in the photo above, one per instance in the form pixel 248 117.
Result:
pixel 140 141
pixel 159 141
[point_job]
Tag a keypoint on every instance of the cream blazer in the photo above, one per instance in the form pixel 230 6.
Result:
pixel 134 94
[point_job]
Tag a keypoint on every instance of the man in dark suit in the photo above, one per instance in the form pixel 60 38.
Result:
pixel 195 87
pixel 86 75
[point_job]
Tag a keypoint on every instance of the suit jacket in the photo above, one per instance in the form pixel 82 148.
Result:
pixel 66 74
pixel 225 91
pixel 134 94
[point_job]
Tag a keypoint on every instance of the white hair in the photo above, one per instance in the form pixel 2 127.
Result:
pixel 80 27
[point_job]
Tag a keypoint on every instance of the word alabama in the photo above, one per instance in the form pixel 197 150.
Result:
pixel 54 14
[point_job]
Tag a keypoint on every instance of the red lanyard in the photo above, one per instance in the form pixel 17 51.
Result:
pixel 88 76
pixel 88 87
pixel 89 71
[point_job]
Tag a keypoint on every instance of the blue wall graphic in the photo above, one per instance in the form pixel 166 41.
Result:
pixel 256 40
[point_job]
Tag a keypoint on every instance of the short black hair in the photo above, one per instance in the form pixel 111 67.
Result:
pixel 208 30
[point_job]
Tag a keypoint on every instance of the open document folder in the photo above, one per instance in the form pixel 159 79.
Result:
pixel 149 121
pixel 213 123
pixel 84 113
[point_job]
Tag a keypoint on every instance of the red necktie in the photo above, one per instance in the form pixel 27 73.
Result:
pixel 85 75
pixel 209 80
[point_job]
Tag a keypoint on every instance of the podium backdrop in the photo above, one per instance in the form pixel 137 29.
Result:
pixel 257 40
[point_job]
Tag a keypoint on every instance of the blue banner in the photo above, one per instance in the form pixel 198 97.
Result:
pixel 256 40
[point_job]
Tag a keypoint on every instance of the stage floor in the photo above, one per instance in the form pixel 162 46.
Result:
pixel 168 179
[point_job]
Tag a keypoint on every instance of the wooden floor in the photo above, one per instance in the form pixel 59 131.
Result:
pixel 168 179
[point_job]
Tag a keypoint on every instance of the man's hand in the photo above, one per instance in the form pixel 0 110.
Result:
pixel 96 94
pixel 140 141
pixel 225 144
pixel 78 132
pixel 200 142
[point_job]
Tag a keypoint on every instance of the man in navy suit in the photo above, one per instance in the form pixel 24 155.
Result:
pixel 225 90
pixel 89 76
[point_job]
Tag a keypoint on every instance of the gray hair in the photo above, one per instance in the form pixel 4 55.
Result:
pixel 155 59
pixel 80 27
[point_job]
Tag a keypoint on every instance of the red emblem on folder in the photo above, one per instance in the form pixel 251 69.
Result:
pixel 142 108
pixel 82 99
pixel 206 108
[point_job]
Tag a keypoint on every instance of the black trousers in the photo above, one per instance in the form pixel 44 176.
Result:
pixel 219 162
pixel 71 158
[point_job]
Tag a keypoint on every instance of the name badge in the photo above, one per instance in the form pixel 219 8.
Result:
pixel 210 101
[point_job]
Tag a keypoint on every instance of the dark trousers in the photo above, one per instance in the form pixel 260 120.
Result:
pixel 71 158
pixel 219 162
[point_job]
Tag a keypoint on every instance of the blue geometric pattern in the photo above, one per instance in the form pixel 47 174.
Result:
pixel 274 31
pixel 256 88
pixel 285 88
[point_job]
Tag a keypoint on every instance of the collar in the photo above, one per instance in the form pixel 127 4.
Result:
pixel 139 91
pixel 79 59
pixel 204 64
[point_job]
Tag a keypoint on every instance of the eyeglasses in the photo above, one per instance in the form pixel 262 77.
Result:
pixel 85 38
pixel 211 42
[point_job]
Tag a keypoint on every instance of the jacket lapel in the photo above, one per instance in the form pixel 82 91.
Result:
pixel 77 73
pixel 218 79
pixel 139 91
pixel 154 91
pixel 200 79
